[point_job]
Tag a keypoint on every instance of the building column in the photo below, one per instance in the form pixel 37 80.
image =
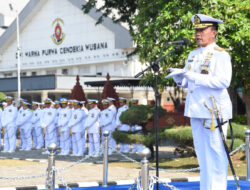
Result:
pixel 15 97
pixel 44 95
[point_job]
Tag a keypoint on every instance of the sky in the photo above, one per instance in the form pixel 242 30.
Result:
pixel 9 15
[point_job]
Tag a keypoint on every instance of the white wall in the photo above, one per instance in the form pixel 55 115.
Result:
pixel 79 30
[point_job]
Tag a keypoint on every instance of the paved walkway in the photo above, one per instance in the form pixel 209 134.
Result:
pixel 91 170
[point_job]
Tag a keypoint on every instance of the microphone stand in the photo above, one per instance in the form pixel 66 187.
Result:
pixel 156 69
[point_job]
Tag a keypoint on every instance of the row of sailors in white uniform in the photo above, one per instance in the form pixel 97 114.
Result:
pixel 64 126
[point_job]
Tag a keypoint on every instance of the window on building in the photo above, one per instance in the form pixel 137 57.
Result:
pixel 23 74
pixel 65 71
pixel 84 70
pixel 33 73
pixel 51 72
pixel 7 74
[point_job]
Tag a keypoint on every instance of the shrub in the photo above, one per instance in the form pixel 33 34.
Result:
pixel 140 115
pixel 182 135
pixel 240 119
pixel 238 130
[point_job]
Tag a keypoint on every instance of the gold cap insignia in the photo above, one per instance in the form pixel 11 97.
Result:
pixel 197 20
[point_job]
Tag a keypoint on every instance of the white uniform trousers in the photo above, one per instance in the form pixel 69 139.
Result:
pixel 94 143
pixel 50 137
pixel 10 139
pixel 211 155
pixel 65 142
pixel 77 144
pixel 83 140
pixel 26 138
pixel 37 134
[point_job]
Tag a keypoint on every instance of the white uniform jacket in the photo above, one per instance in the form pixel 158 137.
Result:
pixel 48 119
pixel 113 110
pixel 106 119
pixel 19 114
pixel 123 127
pixel 64 117
pixel 36 118
pixel 85 115
pixel 24 120
pixel 92 121
pixel 76 121
pixel 9 116
pixel 57 115
pixel 203 86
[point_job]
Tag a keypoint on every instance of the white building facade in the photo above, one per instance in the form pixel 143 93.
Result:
pixel 58 41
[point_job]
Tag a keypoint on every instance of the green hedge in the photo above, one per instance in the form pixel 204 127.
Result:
pixel 241 119
pixel 183 134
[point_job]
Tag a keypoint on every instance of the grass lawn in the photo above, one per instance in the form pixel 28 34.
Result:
pixel 238 160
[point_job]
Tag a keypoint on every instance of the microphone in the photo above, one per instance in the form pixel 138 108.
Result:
pixel 185 41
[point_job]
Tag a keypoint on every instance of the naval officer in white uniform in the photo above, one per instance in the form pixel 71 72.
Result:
pixel 106 119
pixel 25 124
pixel 37 132
pixel 119 125
pixel 93 127
pixel 63 127
pixel 48 119
pixel 76 127
pixel 8 119
pixel 208 73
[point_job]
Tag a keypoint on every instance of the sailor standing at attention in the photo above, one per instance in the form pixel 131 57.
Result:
pixel 0 128
pixel 8 119
pixel 37 131
pixel 119 125
pixel 48 123
pixel 25 124
pixel 57 107
pixel 93 126
pixel 106 119
pixel 75 125
pixel 85 115
pixel 208 73
pixel 63 127
pixel 113 110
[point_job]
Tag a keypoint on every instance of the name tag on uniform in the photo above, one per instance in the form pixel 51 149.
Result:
pixel 23 114
pixel 106 115
pixel 190 60
pixel 10 110
pixel 92 115
pixel 75 116
pixel 35 114
pixel 49 113
pixel 64 115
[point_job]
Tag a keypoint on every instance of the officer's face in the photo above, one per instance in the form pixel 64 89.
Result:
pixel 121 103
pixel 91 106
pixel 47 105
pixel 205 36
pixel 105 106
pixel 9 102
pixel 64 105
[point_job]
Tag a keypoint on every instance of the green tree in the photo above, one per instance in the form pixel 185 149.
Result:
pixel 153 23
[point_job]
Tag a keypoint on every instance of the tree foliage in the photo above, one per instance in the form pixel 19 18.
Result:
pixel 140 115
pixel 153 23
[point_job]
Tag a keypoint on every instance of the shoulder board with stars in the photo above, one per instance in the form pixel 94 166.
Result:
pixel 219 48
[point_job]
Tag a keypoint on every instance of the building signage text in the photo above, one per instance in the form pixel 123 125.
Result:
pixel 65 50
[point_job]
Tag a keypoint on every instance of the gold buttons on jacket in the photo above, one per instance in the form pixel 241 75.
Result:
pixel 191 91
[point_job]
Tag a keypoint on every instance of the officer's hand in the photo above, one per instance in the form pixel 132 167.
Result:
pixel 190 75
pixel 178 79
